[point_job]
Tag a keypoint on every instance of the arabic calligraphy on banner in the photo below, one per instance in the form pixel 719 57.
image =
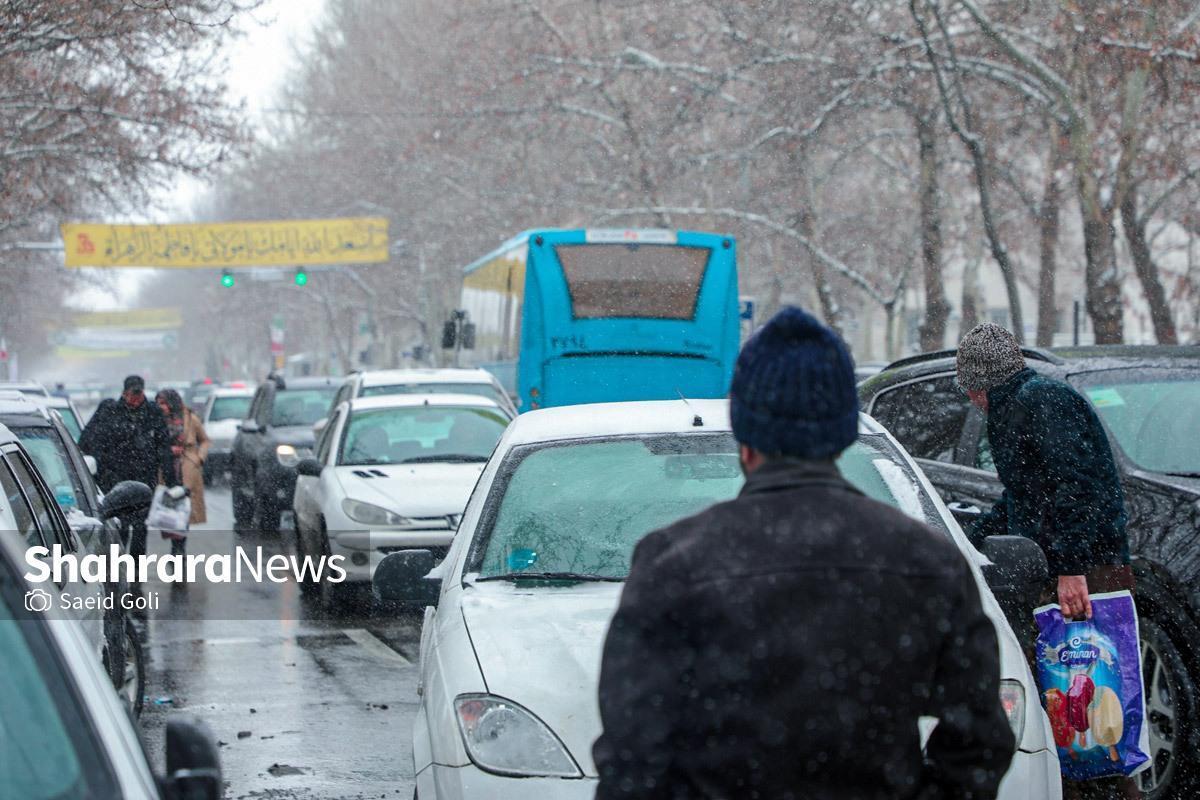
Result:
pixel 348 240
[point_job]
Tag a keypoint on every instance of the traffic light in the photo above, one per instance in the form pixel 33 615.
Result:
pixel 227 279
pixel 301 277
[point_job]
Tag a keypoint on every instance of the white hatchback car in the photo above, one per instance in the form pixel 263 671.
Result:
pixel 391 472
pixel 509 665
pixel 224 410
pixel 379 382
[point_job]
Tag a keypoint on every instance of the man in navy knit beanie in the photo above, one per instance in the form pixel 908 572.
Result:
pixel 785 644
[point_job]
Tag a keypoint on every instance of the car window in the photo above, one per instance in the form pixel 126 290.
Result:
pixel 71 421
pixel 983 451
pixel 1153 414
pixel 926 417
pixel 415 434
pixel 45 744
pixel 22 513
pixel 50 456
pixel 229 408
pixel 46 519
pixel 300 406
pixel 582 506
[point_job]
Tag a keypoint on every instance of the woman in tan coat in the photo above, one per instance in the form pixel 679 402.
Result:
pixel 189 444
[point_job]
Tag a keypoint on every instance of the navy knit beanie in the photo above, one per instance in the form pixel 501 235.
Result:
pixel 793 391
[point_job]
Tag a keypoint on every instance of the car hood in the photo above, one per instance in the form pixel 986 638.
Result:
pixel 565 627
pixel 223 430
pixel 412 490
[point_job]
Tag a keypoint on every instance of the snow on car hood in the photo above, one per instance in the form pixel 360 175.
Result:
pixel 541 647
pixel 222 431
pixel 412 490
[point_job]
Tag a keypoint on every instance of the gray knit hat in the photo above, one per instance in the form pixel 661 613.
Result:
pixel 988 356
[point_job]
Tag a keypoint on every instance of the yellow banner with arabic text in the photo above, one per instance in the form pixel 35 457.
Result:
pixel 346 240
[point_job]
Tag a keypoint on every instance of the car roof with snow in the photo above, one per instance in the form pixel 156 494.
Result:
pixel 409 400
pixel 631 418
pixel 13 403
pixel 393 377
pixel 231 391
pixel 25 387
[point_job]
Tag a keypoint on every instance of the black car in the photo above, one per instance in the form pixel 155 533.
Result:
pixel 1148 399
pixel 276 434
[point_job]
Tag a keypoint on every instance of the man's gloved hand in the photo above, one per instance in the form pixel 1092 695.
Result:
pixel 1073 597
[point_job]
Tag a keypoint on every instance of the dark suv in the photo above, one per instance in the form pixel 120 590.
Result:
pixel 276 434
pixel 1149 401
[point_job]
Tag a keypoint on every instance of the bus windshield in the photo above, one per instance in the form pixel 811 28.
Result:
pixel 633 280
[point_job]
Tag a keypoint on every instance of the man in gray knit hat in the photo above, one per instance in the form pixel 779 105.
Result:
pixel 1061 486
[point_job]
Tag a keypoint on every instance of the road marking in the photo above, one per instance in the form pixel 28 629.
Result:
pixel 375 646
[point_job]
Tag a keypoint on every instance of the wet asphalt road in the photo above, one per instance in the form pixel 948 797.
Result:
pixel 303 704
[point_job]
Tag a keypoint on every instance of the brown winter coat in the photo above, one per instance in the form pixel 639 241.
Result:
pixel 195 451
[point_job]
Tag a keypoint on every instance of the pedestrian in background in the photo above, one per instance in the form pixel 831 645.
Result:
pixel 129 440
pixel 1061 485
pixel 786 643
pixel 189 449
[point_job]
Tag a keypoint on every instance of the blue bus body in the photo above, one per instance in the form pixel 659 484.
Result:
pixel 585 316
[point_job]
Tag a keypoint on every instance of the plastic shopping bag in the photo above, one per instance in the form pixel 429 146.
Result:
pixel 1090 674
pixel 168 512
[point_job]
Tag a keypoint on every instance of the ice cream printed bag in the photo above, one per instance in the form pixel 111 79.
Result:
pixel 1090 675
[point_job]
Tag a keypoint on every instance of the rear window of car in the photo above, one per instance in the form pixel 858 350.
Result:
pixel 582 506
pixel 229 408
pixel 301 406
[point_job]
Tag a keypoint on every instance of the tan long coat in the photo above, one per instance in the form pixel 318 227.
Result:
pixel 195 451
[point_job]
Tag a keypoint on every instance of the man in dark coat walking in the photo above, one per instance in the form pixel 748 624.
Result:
pixel 1061 484
pixel 784 644
pixel 130 442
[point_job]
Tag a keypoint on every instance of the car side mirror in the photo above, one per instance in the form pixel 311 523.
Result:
pixel 249 426
pixel 92 466
pixel 1017 574
pixel 127 497
pixel 310 467
pixel 402 580
pixel 193 764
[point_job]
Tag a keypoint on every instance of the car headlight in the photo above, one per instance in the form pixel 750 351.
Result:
pixel 1012 697
pixel 370 514
pixel 503 738
pixel 289 456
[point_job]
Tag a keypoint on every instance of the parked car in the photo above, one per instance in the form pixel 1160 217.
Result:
pixel 391 472
pixel 275 435
pixel 223 411
pixel 29 508
pixel 1148 399
pixel 372 383
pixel 510 649
pixel 67 410
pixel 32 388
pixel 66 732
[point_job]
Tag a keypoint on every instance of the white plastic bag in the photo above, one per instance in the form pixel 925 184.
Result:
pixel 168 513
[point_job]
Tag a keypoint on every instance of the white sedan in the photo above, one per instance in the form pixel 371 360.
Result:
pixel 511 649
pixel 389 473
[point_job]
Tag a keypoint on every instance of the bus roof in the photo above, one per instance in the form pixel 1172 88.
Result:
pixel 602 235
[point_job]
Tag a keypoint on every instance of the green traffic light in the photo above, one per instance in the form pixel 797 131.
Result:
pixel 301 278
pixel 227 280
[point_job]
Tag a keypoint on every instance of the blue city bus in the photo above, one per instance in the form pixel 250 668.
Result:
pixel 586 316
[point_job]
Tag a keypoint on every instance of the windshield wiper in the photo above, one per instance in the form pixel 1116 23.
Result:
pixel 550 576
pixel 1184 474
pixel 457 458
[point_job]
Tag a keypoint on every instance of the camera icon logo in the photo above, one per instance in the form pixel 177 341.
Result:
pixel 37 600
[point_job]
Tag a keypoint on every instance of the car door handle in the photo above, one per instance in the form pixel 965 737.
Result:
pixel 968 509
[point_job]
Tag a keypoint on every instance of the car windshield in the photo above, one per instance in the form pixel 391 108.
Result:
pixel 1153 414
pixel 43 741
pixel 416 434
pixel 301 406
pixel 50 456
pixel 476 389
pixel 579 507
pixel 231 408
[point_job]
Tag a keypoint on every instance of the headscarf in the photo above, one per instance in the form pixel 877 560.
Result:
pixel 174 401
